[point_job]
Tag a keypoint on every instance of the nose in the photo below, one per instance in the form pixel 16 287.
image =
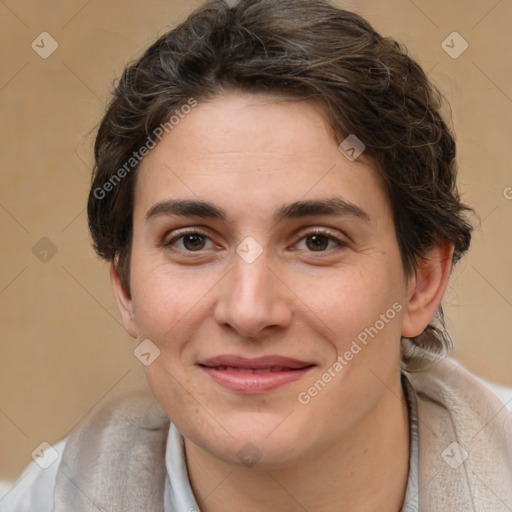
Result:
pixel 253 298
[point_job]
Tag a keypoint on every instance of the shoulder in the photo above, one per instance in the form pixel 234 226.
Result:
pixel 132 413
pixel 34 488
pixel 438 376
pixel 504 393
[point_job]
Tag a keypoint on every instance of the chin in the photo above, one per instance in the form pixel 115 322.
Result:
pixel 263 445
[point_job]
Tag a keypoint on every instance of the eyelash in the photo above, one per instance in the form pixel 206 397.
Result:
pixel 315 231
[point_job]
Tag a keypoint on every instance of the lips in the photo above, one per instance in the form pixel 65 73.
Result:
pixel 256 375
pixel 270 369
pixel 273 361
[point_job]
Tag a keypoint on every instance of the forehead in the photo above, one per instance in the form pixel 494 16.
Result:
pixel 247 152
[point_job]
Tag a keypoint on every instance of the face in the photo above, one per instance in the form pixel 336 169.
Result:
pixel 277 306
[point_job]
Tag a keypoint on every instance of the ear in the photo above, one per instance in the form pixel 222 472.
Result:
pixel 426 289
pixel 124 301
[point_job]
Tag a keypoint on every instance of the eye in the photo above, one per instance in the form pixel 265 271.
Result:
pixel 318 240
pixel 315 240
pixel 190 241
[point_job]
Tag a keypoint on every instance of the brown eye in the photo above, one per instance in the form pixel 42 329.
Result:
pixel 317 242
pixel 192 241
pixel 320 240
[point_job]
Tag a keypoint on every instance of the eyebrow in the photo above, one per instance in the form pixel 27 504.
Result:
pixel 335 205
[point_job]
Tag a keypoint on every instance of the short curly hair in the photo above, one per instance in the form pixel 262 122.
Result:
pixel 303 50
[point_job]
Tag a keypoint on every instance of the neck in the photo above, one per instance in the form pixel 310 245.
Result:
pixel 365 471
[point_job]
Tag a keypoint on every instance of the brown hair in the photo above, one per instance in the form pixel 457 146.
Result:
pixel 301 49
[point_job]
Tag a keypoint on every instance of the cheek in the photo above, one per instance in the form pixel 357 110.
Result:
pixel 179 398
pixel 165 300
pixel 351 299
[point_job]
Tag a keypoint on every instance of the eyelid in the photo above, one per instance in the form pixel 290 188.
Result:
pixel 317 229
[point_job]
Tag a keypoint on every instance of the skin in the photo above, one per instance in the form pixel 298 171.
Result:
pixel 348 448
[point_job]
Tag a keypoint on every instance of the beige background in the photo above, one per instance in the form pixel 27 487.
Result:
pixel 63 348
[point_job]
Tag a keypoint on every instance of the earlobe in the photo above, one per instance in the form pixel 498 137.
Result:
pixel 124 301
pixel 426 289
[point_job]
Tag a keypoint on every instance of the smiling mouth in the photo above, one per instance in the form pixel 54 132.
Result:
pixel 254 376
